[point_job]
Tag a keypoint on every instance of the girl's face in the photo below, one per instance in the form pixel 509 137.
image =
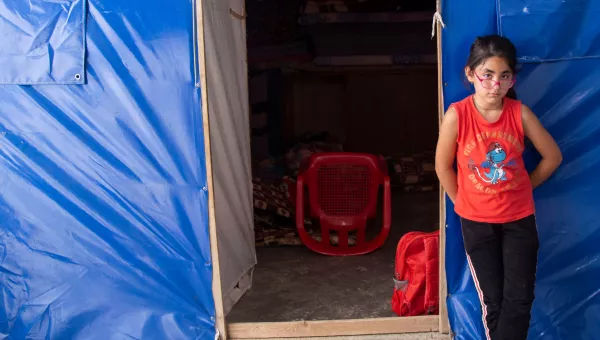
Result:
pixel 492 80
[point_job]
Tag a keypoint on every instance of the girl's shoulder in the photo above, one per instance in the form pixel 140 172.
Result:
pixel 462 105
pixel 514 107
pixel 511 101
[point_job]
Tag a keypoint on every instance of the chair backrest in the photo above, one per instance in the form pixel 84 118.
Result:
pixel 344 185
pixel 343 190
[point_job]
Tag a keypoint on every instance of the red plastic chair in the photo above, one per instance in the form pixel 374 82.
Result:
pixel 343 190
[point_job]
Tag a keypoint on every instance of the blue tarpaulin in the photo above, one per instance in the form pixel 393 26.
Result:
pixel 558 44
pixel 43 42
pixel 103 197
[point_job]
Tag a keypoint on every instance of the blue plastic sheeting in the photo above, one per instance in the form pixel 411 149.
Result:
pixel 551 29
pixel 42 42
pixel 103 197
pixel 565 95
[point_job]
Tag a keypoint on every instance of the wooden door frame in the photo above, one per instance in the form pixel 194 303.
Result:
pixel 395 325
pixel 444 325
pixel 219 317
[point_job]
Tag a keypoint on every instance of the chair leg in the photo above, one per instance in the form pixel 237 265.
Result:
pixel 343 239
pixel 361 235
pixel 325 238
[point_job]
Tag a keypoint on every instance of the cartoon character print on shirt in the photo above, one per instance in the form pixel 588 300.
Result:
pixel 495 165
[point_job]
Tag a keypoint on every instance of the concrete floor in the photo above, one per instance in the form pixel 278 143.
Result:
pixel 294 283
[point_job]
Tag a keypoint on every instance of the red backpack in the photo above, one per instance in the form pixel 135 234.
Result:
pixel 416 279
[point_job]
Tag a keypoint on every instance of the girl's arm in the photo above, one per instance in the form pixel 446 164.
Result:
pixel 545 145
pixel 446 153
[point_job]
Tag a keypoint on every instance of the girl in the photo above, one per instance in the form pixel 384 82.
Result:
pixel 492 191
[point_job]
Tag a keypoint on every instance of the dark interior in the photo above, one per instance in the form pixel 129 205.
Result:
pixel 345 75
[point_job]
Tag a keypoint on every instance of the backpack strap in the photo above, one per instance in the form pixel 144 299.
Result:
pixel 401 249
pixel 432 273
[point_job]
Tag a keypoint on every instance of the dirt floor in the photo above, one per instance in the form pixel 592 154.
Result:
pixel 294 283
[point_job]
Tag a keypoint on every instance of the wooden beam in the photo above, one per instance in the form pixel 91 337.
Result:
pixel 299 329
pixel 214 247
pixel 444 326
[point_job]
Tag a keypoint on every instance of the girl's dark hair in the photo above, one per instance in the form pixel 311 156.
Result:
pixel 494 46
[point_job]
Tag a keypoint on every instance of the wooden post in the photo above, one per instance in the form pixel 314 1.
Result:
pixel 443 288
pixel 214 248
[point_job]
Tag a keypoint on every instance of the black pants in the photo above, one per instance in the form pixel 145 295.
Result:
pixel 503 261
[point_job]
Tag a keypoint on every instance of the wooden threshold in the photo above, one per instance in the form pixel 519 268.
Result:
pixel 299 329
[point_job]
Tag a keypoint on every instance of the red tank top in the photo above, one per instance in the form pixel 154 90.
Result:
pixel 493 184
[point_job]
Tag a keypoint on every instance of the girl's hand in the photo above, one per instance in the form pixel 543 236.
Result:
pixel 446 153
pixel 544 144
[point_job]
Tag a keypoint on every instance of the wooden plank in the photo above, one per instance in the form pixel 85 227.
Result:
pixel 214 248
pixel 288 111
pixel 444 326
pixel 297 67
pixel 298 329
pixel 379 17
pixel 375 60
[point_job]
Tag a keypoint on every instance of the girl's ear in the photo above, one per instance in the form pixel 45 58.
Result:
pixel 469 75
